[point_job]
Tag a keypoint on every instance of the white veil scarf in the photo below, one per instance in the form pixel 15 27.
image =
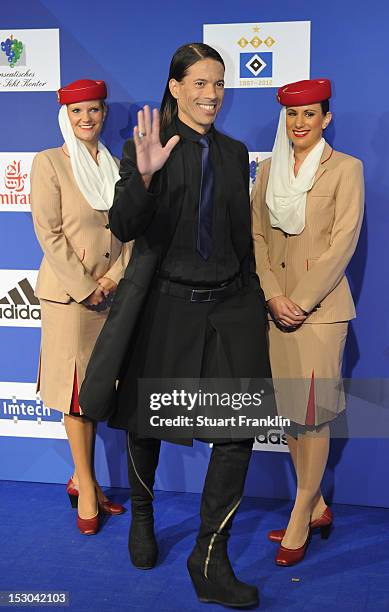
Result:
pixel 95 181
pixel 286 194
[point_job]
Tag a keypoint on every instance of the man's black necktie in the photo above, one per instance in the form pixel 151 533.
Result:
pixel 204 232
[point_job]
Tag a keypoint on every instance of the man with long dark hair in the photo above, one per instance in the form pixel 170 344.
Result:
pixel 190 305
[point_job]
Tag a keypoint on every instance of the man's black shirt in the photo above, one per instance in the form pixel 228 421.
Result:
pixel 183 263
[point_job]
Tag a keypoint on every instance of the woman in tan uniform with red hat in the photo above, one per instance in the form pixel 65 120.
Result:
pixel 307 215
pixel 71 192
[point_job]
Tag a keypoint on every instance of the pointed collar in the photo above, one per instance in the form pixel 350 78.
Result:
pixel 188 133
pixel 326 156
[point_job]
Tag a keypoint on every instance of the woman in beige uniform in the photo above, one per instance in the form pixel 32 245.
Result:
pixel 71 192
pixel 307 214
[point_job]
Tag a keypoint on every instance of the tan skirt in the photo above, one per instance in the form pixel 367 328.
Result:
pixel 69 333
pixel 306 366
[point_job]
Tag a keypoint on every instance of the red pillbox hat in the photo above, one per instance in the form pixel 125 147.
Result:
pixel 81 91
pixel 304 92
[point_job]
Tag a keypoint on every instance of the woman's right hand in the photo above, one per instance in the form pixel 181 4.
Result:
pixel 285 312
pixel 150 154
pixel 95 298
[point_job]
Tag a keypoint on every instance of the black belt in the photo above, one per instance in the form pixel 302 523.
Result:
pixel 193 294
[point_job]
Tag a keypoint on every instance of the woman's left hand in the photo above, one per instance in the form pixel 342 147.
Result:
pixel 107 285
pixel 287 315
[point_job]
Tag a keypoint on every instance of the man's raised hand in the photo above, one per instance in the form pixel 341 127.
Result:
pixel 150 154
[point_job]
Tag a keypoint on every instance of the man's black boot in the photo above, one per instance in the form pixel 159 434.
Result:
pixel 209 566
pixel 142 456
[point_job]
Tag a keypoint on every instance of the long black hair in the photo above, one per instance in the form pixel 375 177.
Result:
pixel 183 58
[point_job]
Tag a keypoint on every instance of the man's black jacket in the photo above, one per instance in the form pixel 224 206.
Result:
pixel 150 217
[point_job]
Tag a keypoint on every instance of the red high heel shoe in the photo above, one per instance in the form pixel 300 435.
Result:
pixel 108 507
pixel 88 526
pixel 324 523
pixel 291 556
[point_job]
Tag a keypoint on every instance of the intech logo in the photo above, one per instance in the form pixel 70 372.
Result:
pixel 23 415
pixel 24 61
pixel 15 170
pixel 18 305
pixel 262 54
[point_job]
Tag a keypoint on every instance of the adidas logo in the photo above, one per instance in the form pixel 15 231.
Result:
pixel 274 437
pixel 20 303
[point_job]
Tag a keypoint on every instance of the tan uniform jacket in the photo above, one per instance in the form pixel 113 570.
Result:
pixel 310 268
pixel 76 241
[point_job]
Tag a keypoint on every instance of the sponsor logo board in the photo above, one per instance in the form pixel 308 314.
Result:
pixel 18 305
pixel 24 64
pixel 262 54
pixel 15 170
pixel 23 414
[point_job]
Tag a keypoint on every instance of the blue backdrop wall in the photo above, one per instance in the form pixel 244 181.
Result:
pixel 130 45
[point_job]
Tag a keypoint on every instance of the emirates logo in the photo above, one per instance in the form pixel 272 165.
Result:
pixel 14 177
pixel 14 181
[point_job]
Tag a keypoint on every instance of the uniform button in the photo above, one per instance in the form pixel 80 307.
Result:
pixel 283 264
pixel 106 255
pixel 107 226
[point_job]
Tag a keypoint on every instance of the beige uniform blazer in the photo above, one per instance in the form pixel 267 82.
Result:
pixel 78 248
pixel 76 241
pixel 310 268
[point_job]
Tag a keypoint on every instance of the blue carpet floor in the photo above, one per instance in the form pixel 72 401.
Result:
pixel 41 549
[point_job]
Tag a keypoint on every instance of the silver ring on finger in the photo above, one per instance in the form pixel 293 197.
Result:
pixel 141 135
